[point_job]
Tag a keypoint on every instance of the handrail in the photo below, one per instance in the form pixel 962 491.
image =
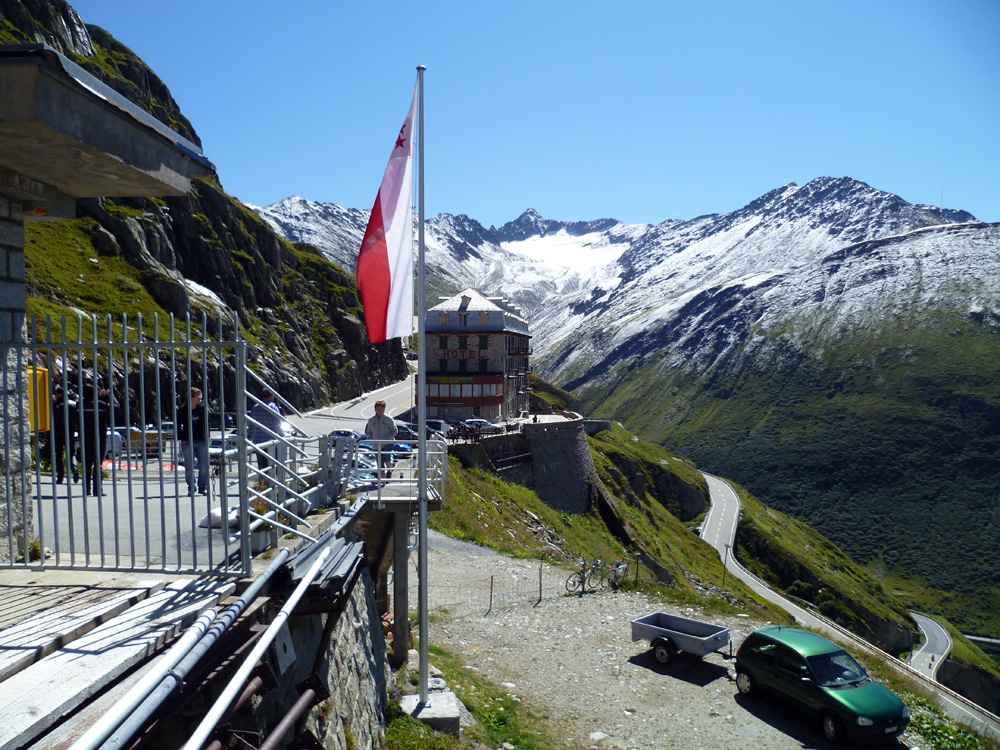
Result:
pixel 128 715
pixel 235 685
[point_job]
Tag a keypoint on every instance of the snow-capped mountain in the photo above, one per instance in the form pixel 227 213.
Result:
pixel 591 288
pixel 831 347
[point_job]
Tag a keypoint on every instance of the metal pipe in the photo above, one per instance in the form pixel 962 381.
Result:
pixel 130 725
pixel 108 722
pixel 211 719
pixel 422 407
pixel 303 704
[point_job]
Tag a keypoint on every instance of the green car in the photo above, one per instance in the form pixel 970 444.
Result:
pixel 820 679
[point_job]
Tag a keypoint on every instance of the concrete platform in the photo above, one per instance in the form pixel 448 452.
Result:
pixel 441 712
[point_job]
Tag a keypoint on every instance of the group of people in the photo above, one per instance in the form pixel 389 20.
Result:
pixel 92 413
pixel 79 433
pixel 265 425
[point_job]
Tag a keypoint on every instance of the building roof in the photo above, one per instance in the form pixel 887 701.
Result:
pixel 467 301
pixel 471 300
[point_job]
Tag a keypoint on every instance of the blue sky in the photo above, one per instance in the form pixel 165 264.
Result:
pixel 640 111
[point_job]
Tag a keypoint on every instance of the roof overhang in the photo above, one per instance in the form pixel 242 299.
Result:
pixel 65 135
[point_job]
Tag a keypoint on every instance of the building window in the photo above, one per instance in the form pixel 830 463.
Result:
pixel 463 319
pixel 442 365
pixel 484 365
pixel 463 365
pixel 463 342
pixel 467 390
pixel 484 342
pixel 484 319
pixel 442 342
pixel 443 319
pixel 477 390
pixel 456 391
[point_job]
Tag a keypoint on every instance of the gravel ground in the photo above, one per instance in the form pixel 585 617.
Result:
pixel 572 658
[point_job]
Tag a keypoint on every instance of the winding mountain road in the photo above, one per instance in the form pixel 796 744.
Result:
pixel 719 530
pixel 935 648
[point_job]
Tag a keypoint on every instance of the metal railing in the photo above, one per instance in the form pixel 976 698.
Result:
pixel 102 479
pixel 387 471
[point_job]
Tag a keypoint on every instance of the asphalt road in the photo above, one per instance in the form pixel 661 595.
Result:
pixel 935 649
pixel 354 414
pixel 719 530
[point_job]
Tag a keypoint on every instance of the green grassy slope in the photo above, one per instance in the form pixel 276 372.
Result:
pixel 641 512
pixel 887 442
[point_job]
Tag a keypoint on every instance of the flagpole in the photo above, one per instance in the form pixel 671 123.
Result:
pixel 421 397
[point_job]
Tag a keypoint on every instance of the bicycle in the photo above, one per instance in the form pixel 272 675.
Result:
pixel 577 581
pixel 616 575
pixel 596 573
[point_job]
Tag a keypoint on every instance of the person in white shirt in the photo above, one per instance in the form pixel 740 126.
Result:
pixel 381 427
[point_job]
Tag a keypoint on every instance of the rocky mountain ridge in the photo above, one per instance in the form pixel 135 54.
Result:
pixel 830 346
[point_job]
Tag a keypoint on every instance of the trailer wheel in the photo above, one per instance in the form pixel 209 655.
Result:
pixel 663 650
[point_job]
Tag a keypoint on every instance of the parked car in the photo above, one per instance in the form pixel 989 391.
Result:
pixel 401 450
pixel 141 442
pixel 478 424
pixel 350 434
pixel 222 450
pixel 115 444
pixel 439 425
pixel 113 441
pixel 406 431
pixel 818 678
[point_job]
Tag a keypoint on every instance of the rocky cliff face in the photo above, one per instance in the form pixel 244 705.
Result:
pixel 299 311
pixel 974 684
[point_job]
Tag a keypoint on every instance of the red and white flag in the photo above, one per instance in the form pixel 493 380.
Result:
pixel 385 262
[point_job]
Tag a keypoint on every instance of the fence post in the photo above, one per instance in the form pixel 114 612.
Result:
pixel 540 564
pixel 491 597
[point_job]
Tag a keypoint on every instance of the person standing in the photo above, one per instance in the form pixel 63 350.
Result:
pixel 64 423
pixel 95 406
pixel 266 426
pixel 193 442
pixel 381 428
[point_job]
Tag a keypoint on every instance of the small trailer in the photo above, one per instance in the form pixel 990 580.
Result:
pixel 669 634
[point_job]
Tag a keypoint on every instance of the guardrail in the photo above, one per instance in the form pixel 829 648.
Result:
pixel 986 721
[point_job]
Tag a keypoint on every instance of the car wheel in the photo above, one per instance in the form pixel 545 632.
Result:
pixel 663 650
pixel 745 682
pixel 833 730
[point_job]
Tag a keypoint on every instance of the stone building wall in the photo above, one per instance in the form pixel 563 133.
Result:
pixel 14 435
pixel 353 667
pixel 564 470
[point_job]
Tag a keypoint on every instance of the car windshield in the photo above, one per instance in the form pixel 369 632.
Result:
pixel 837 668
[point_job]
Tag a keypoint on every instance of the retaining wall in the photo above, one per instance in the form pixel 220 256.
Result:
pixel 563 469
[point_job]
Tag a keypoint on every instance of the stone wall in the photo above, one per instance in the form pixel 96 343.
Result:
pixel 353 667
pixel 14 435
pixel 563 468
pixel 593 426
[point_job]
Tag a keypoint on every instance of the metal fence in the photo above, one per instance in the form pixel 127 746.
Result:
pixel 96 474
pixel 104 482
